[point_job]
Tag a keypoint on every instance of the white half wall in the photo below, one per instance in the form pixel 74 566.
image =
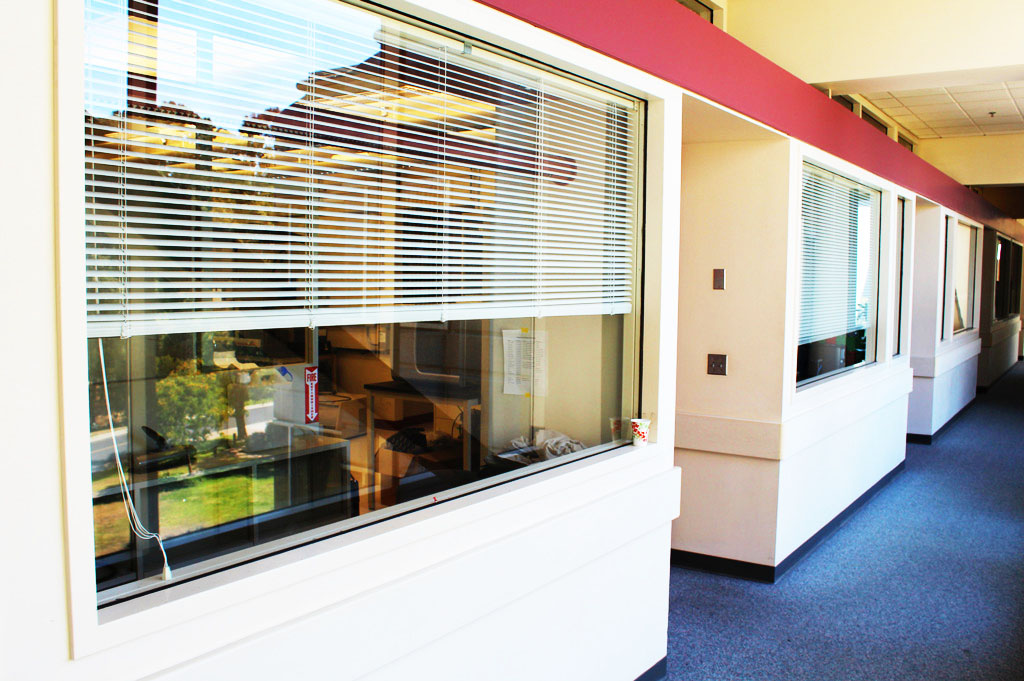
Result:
pixel 940 393
pixel 820 482
pixel 999 351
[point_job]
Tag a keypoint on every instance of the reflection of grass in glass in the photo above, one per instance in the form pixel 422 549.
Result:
pixel 207 502
pixel 195 504
pixel 111 527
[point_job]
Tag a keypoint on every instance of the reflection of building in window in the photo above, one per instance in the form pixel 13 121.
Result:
pixel 320 209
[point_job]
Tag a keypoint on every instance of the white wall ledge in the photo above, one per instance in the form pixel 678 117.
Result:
pixel 960 349
pixel 1001 330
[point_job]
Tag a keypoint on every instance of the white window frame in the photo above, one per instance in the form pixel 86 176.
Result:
pixel 978 235
pixel 906 284
pixel 945 338
pixel 277 590
pixel 886 367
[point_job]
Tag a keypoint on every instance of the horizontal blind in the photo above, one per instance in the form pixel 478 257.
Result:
pixel 838 255
pixel 253 163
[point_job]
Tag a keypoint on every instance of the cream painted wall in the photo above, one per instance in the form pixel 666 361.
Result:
pixel 34 619
pixel 837 40
pixel 766 465
pixel 982 159
pixel 735 200
pixel 945 364
pixel 458 579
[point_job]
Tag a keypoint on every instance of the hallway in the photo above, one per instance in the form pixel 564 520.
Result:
pixel 923 583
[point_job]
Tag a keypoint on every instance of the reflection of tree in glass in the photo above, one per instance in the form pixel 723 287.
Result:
pixel 191 404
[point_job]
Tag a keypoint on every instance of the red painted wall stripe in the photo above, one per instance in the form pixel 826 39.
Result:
pixel 667 40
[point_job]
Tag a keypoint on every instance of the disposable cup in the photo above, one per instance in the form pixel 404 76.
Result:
pixel 641 431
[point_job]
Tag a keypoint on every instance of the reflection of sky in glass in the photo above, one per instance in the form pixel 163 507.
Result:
pixel 225 59
pixel 865 262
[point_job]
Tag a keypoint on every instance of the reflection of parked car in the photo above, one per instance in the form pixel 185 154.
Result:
pixel 160 455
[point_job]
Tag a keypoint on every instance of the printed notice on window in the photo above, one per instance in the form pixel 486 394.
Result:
pixel 525 361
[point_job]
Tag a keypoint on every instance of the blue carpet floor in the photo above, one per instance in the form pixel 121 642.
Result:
pixel 924 583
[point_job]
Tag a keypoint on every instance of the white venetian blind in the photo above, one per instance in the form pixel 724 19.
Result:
pixel 256 163
pixel 838 255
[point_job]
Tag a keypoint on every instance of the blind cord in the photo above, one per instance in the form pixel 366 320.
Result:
pixel 136 525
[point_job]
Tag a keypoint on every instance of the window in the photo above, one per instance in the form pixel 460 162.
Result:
pixel 845 101
pixel 337 266
pixel 901 230
pixel 964 250
pixel 905 142
pixel 946 246
pixel 1008 278
pixel 874 121
pixel 702 10
pixel 839 274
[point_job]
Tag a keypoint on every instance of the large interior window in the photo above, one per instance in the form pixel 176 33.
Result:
pixel 338 265
pixel 1008 278
pixel 965 250
pixel 839 274
pixel 897 313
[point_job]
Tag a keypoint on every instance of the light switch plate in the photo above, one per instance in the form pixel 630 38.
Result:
pixel 718 279
pixel 717 365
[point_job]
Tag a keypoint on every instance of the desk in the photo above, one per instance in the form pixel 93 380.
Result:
pixel 464 398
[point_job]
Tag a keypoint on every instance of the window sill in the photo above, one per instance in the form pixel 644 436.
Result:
pixel 275 590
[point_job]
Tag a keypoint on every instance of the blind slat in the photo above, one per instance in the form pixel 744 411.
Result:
pixel 247 166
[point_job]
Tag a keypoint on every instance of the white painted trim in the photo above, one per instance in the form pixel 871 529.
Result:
pixel 728 435
pixel 968 346
pixel 291 585
pixel 886 368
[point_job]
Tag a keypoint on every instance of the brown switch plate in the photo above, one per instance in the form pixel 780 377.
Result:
pixel 718 279
pixel 717 365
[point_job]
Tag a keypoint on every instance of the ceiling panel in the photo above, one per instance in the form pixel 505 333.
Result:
pixel 956 111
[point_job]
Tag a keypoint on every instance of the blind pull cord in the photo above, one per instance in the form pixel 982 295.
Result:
pixel 138 528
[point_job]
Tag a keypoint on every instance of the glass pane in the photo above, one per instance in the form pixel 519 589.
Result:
pixel 318 163
pixel 897 313
pixel 964 251
pixel 229 440
pixel 839 274
pixel 699 8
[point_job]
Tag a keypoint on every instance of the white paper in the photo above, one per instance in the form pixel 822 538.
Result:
pixel 518 361
pixel 526 362
pixel 540 363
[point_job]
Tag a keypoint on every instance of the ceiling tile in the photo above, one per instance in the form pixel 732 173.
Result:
pixel 948 107
pixel 1005 108
pixel 918 93
pixel 907 119
pixel 981 87
pixel 926 135
pixel 993 120
pixel 884 102
pixel 878 95
pixel 916 100
pixel 958 123
pixel 934 116
pixel 1017 91
pixel 957 132
pixel 897 111
pixel 1003 127
pixel 983 96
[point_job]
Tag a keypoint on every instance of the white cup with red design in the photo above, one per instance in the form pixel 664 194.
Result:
pixel 641 431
